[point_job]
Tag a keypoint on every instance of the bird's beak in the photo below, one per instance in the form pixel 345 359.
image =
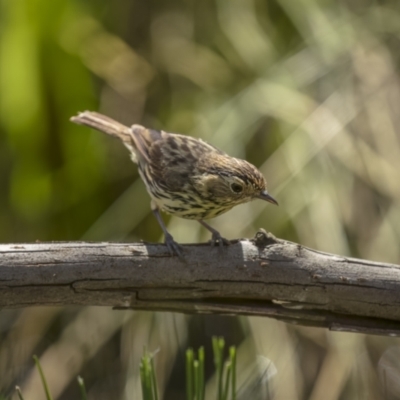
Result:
pixel 264 195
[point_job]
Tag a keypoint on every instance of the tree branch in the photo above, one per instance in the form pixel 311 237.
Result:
pixel 264 276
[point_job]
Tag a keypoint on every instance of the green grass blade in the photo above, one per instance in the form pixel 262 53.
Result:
pixel 232 356
pixel 218 348
pixel 196 379
pixel 228 368
pixel 148 378
pixel 18 390
pixel 189 374
pixel 81 384
pixel 201 357
pixel 216 359
pixel 145 378
pixel 153 379
pixel 45 386
pixel 143 381
pixel 221 346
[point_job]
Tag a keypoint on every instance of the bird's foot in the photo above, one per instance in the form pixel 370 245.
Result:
pixel 218 240
pixel 174 248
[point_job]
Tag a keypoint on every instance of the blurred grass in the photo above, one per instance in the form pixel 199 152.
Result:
pixel 308 91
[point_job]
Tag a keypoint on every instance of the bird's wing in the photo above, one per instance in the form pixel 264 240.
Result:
pixel 144 138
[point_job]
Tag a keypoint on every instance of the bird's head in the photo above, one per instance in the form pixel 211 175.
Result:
pixel 233 181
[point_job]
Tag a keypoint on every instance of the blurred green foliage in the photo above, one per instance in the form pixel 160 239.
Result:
pixel 43 156
pixel 307 90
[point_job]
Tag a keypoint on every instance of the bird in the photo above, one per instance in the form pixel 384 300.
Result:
pixel 184 176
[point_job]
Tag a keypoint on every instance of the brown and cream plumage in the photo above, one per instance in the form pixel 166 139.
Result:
pixel 184 176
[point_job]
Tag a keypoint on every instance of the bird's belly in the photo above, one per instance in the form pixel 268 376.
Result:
pixel 180 204
pixel 187 207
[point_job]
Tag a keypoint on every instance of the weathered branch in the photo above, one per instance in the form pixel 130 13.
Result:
pixel 265 276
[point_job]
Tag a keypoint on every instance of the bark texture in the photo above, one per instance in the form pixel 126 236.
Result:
pixel 264 276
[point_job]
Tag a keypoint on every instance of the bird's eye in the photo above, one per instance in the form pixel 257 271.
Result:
pixel 236 188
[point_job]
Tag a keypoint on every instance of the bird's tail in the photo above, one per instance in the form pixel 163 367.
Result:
pixel 128 135
pixel 104 124
pixel 136 138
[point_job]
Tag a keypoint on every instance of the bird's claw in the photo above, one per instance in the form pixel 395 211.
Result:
pixel 218 240
pixel 174 248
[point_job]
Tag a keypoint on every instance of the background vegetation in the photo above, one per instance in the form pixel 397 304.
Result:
pixel 307 90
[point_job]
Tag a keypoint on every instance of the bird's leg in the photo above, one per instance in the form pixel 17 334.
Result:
pixel 216 237
pixel 173 247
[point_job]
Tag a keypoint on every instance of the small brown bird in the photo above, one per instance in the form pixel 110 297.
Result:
pixel 184 176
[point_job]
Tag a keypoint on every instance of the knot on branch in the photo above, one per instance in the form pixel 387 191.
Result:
pixel 263 238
